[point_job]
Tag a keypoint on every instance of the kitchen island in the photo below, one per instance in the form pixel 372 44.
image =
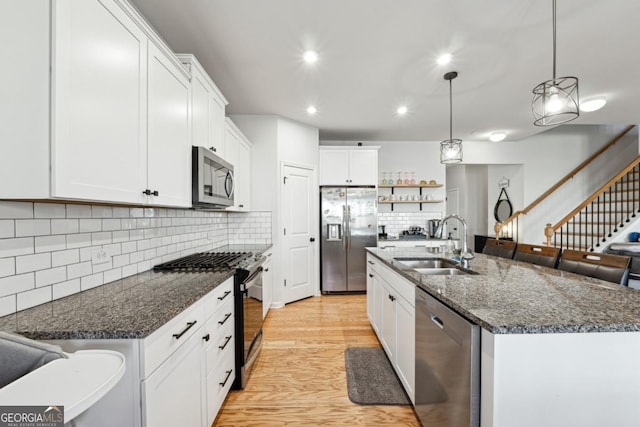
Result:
pixel 557 349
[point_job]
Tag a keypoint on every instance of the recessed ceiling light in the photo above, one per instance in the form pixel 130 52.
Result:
pixel 310 56
pixel 311 109
pixel 444 59
pixel 402 110
pixel 497 136
pixel 592 104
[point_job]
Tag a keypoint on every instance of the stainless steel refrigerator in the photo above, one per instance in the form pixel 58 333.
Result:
pixel 349 224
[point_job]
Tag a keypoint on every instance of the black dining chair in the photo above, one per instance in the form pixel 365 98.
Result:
pixel 546 256
pixel 612 268
pixel 499 248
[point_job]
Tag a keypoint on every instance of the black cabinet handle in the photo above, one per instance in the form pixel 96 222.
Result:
pixel 226 341
pixel 226 294
pixel 226 317
pixel 370 275
pixel 214 149
pixel 392 298
pixel 206 337
pixel 222 384
pixel 312 239
pixel 241 206
pixel 151 193
pixel 155 193
pixel 189 326
pixel 371 262
pixel 266 269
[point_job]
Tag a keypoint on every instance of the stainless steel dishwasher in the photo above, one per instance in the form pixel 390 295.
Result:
pixel 447 390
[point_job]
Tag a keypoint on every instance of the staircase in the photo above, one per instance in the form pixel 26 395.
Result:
pixel 598 218
pixel 602 215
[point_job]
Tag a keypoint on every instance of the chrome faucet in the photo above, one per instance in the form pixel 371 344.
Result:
pixel 465 254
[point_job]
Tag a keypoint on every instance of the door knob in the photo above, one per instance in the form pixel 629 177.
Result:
pixel 313 239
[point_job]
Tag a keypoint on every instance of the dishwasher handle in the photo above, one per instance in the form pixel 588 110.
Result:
pixel 435 319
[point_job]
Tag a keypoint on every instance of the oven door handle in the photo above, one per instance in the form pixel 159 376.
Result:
pixel 251 279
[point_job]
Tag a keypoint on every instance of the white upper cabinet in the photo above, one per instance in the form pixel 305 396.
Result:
pixel 207 107
pixel 169 149
pixel 348 166
pixel 98 98
pixel 109 123
pixel 238 153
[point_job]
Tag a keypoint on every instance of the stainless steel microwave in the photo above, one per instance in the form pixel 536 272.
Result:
pixel 212 180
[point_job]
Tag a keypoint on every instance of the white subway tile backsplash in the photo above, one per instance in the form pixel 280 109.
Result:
pixel 79 270
pixel 50 243
pixel 7 228
pixel 78 211
pixel 33 227
pixel 27 263
pixel 40 267
pixel 14 247
pixel 12 210
pixel 32 298
pixel 7 305
pixel 53 275
pixel 67 288
pixel 7 267
pixel 90 225
pixel 78 240
pixel 49 210
pixel 64 226
pixel 14 284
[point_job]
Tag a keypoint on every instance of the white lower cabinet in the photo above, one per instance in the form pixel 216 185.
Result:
pixel 267 283
pixel 390 299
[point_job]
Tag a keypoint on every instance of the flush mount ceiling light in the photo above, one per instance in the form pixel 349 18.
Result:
pixel 497 136
pixel 311 110
pixel 402 110
pixel 444 59
pixel 310 56
pixel 592 104
pixel 555 101
pixel 451 149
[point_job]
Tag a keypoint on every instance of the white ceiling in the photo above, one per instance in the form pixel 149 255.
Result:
pixel 378 54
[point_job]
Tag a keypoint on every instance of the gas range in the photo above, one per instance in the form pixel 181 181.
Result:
pixel 212 261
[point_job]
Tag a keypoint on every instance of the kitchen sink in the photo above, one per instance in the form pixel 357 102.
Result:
pixel 433 266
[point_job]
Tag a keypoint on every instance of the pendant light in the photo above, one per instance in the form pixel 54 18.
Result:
pixel 555 101
pixel 451 149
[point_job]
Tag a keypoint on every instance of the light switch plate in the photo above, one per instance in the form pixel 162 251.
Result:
pixel 99 256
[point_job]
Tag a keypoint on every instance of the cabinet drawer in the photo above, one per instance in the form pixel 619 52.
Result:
pixel 219 347
pixel 218 297
pixel 218 384
pixel 220 320
pixel 372 263
pixel 169 337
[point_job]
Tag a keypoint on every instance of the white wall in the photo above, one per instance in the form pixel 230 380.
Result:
pixel 515 191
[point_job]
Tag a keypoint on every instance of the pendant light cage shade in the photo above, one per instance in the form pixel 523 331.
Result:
pixel 555 101
pixel 451 151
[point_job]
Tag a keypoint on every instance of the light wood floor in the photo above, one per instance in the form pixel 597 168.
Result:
pixel 299 377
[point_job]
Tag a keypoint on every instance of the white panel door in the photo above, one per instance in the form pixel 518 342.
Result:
pixel 169 147
pixel 99 103
pixel 299 230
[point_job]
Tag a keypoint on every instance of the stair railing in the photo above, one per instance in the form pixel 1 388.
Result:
pixel 601 214
pixel 509 226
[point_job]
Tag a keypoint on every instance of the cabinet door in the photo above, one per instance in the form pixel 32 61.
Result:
pixel 242 197
pixel 363 167
pixel 334 167
pixel 217 106
pixel 169 149
pixel 378 294
pixel 172 393
pixel 388 321
pixel 99 103
pixel 267 284
pixel 201 132
pixel 405 345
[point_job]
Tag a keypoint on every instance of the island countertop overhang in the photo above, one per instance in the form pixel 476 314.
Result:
pixel 512 297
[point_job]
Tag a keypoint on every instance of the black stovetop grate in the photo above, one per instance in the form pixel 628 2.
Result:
pixel 213 261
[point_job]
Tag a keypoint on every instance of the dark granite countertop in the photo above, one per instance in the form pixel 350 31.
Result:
pixel 133 307
pixel 512 297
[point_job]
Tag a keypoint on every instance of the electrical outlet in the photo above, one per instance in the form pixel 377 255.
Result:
pixel 99 256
